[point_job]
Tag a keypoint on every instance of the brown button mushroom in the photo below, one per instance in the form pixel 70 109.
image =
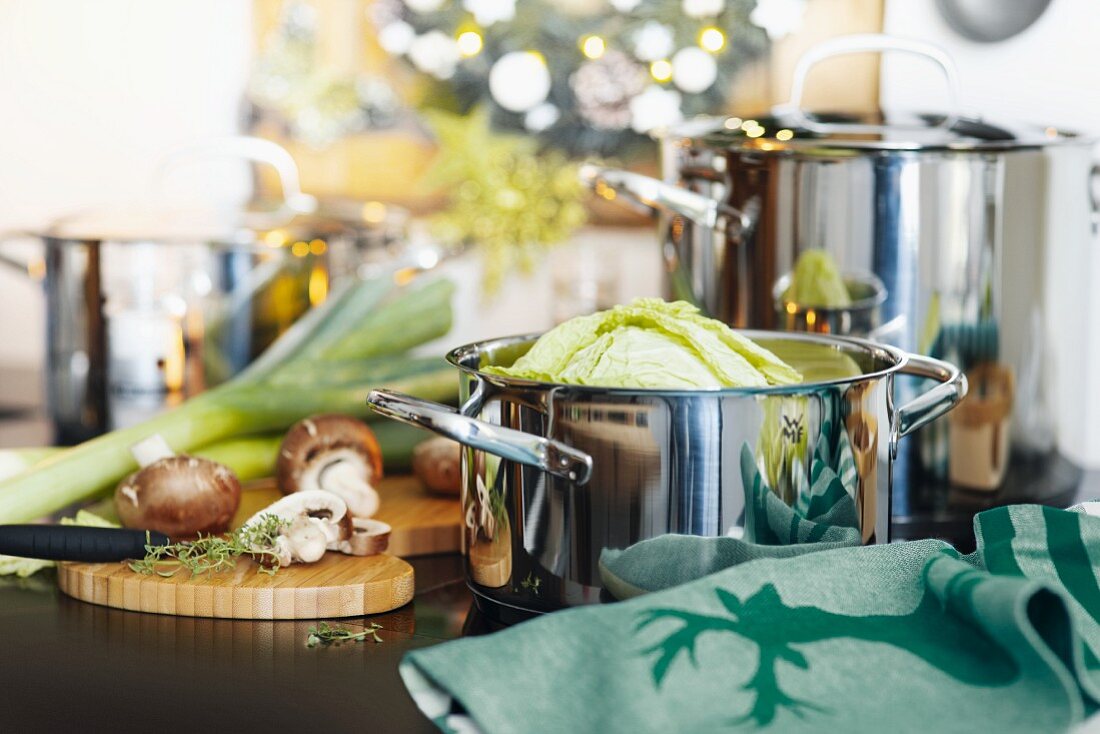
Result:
pixel 180 496
pixel 437 462
pixel 334 453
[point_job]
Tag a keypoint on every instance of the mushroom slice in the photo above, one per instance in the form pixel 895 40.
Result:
pixel 368 537
pixel 315 521
pixel 180 496
pixel 334 453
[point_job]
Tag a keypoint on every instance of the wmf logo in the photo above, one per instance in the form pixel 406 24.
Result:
pixel 792 429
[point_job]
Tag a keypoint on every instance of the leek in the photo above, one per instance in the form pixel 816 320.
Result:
pixel 289 382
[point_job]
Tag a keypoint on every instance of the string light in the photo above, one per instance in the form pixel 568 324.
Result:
pixel 275 238
pixel 784 135
pixel 374 212
pixel 469 43
pixel 712 39
pixel 593 46
pixel 661 70
pixel 318 285
pixel 755 132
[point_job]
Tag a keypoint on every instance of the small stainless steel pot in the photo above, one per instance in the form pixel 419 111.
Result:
pixel 862 317
pixel 555 474
pixel 146 307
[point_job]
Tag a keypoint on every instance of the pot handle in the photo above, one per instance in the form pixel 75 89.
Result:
pixel 27 267
pixel 253 150
pixel 553 457
pixel 929 406
pixel 862 43
pixel 655 195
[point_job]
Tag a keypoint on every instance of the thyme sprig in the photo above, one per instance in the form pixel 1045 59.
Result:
pixel 214 553
pixel 325 634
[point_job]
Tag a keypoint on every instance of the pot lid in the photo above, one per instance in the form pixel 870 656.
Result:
pixel 294 216
pixel 806 132
pixel 148 223
pixel 257 223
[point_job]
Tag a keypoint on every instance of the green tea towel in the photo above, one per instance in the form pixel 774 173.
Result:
pixel 907 637
pixel 823 518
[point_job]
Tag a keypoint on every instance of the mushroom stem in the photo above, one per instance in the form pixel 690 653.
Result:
pixel 151 450
pixel 307 540
pixel 345 479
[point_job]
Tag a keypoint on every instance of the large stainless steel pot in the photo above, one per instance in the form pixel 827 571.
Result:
pixel 583 469
pixel 147 306
pixel 978 230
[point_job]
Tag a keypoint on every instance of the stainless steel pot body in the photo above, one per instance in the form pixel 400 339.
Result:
pixel 134 327
pixel 554 474
pixel 980 254
pixel 977 231
pixel 145 308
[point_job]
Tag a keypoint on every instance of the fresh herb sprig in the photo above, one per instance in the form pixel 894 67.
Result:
pixel 325 634
pixel 214 553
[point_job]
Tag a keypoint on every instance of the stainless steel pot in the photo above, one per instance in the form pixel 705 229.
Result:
pixel 862 317
pixel 977 229
pixel 147 306
pixel 583 469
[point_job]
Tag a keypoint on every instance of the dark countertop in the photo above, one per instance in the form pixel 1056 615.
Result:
pixel 71 666
pixel 66 665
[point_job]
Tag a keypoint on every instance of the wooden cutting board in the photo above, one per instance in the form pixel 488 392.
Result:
pixel 423 523
pixel 335 586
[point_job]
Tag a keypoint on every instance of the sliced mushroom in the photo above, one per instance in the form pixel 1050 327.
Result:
pixel 368 537
pixel 334 453
pixel 437 462
pixel 315 521
pixel 180 496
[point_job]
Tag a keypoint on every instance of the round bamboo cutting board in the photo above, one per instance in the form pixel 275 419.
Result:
pixel 336 586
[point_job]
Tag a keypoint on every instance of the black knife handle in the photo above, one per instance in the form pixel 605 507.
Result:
pixel 76 542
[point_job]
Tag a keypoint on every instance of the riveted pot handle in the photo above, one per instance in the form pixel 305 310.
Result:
pixel 929 406
pixel 553 457
pixel 653 194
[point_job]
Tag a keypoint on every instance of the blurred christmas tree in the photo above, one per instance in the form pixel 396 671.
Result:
pixel 504 196
pixel 583 76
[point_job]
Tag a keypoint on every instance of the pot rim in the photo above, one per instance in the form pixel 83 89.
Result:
pixel 224 227
pixel 899 358
pixel 877 297
pixel 712 132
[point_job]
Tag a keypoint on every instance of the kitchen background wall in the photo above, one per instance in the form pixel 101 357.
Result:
pixel 92 103
pixel 92 95
pixel 101 97
pixel 1046 75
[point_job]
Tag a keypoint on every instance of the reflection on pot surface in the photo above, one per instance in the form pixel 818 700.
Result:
pixel 862 317
pixel 588 469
